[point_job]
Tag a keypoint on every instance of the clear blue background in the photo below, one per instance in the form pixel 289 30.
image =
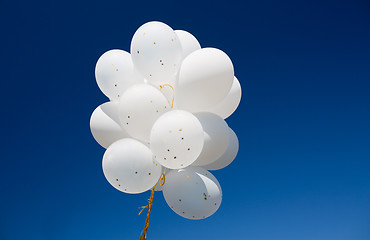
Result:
pixel 303 124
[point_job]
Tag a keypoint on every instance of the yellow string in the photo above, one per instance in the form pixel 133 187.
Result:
pixel 173 98
pixel 161 182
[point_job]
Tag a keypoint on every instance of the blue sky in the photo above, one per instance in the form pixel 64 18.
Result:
pixel 302 172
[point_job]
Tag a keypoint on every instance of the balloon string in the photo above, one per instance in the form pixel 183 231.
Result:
pixel 161 182
pixel 173 98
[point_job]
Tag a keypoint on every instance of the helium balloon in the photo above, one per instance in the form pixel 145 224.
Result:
pixel 114 73
pixel 227 106
pixel 188 42
pixel 129 167
pixel 192 193
pixel 205 79
pixel 156 51
pixel 176 139
pixel 228 156
pixel 105 124
pixel 216 137
pixel 140 106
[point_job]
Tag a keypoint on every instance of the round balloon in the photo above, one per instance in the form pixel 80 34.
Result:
pixel 188 42
pixel 227 106
pixel 216 137
pixel 176 139
pixel 156 51
pixel 105 124
pixel 205 79
pixel 114 73
pixel 140 106
pixel 228 156
pixel 129 167
pixel 192 193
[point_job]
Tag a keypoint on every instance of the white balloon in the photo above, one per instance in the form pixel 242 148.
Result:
pixel 128 166
pixel 228 156
pixel 193 192
pixel 216 137
pixel 140 106
pixel 205 79
pixel 188 42
pixel 105 124
pixel 156 51
pixel 176 139
pixel 227 106
pixel 114 73
pixel 138 78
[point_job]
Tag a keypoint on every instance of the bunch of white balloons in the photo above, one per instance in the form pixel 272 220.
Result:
pixel 168 102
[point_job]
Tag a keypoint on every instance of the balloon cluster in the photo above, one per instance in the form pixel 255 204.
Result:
pixel 168 102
